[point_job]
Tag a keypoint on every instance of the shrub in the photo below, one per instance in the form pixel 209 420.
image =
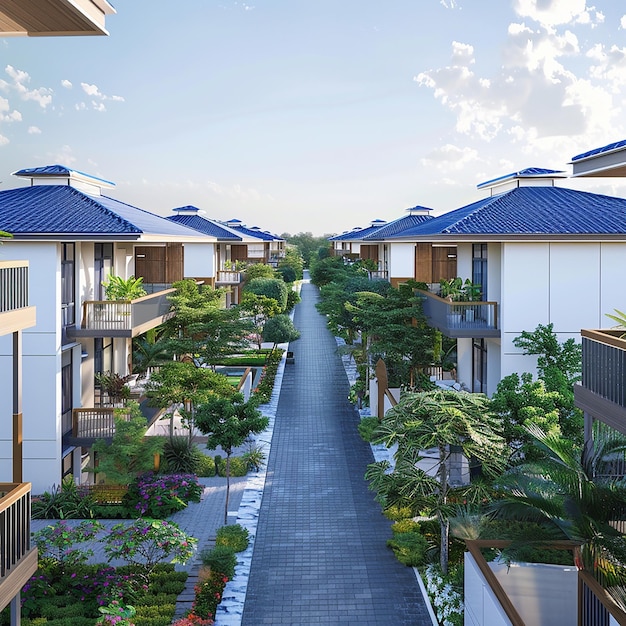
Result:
pixel 367 427
pixel 56 542
pixel 409 548
pixel 220 559
pixel 64 502
pixel 181 456
pixel 206 466
pixel 160 495
pixel 254 458
pixel 293 297
pixel 405 526
pixel 234 536
pixel 146 542
pixel 238 466
pixel 209 594
pixel 396 513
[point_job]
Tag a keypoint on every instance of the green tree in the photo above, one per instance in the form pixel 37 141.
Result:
pixel 271 288
pixel 228 422
pixel 180 387
pixel 259 308
pixel 259 270
pixel 292 260
pixel 397 330
pixel 201 327
pixel 280 329
pixel 559 367
pixel 520 401
pixel 129 452
pixel 578 491
pixel 443 420
pixel 307 244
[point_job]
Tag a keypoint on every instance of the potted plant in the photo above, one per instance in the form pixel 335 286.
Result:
pixel 118 288
pixel 471 292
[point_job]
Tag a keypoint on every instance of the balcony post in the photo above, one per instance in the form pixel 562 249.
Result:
pixel 16 610
pixel 17 407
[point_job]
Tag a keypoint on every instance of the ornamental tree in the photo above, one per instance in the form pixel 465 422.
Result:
pixel 228 422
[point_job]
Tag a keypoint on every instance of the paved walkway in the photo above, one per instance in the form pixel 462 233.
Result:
pixel 319 553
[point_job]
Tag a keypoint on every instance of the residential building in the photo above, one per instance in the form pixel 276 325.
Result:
pixel 74 237
pixel 400 262
pixel 220 264
pixel 541 253
pixel 18 559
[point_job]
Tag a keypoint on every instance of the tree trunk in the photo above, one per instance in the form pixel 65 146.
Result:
pixel 227 488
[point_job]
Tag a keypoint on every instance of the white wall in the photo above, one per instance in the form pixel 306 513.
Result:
pixel 572 285
pixel 401 260
pixel 481 606
pixel 41 392
pixel 200 260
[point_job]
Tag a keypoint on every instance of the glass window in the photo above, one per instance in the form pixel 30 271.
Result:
pixel 67 392
pixel 103 266
pixel 67 284
pixel 479 366
pixel 479 267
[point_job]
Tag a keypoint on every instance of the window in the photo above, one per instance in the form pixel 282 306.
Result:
pixel 67 392
pixel 479 267
pixel 479 366
pixel 103 266
pixel 67 464
pixel 68 315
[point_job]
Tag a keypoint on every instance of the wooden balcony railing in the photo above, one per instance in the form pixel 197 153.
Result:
pixel 124 318
pixel 18 560
pixel 227 277
pixel 15 312
pixel 95 423
pixel 461 319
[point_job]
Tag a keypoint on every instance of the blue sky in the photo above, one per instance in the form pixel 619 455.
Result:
pixel 317 116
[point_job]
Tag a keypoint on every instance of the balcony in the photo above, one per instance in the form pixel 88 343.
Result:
pixel 378 275
pixel 602 390
pixel 91 424
pixel 461 319
pixel 18 561
pixel 123 318
pixel 227 277
pixel 15 313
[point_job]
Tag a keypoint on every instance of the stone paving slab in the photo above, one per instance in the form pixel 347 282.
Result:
pixel 319 553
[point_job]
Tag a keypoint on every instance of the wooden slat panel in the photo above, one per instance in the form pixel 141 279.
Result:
pixel 424 263
pixel 443 265
pixel 369 252
pixel 174 263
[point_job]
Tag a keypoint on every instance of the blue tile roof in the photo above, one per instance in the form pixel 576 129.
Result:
pixel 357 233
pixel 399 225
pixel 252 232
pixel 55 170
pixel 203 225
pixel 531 211
pixel 609 148
pixel 529 172
pixel 64 210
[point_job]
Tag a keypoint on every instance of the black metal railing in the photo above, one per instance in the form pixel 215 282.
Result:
pixel 13 285
pixel 604 365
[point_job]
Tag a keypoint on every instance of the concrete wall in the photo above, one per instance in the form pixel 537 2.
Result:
pixel 200 259
pixel 401 260
pixel 41 402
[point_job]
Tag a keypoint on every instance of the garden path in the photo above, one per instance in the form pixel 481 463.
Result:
pixel 319 552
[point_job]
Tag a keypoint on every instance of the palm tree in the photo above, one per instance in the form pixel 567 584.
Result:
pixel 581 491
pixel 441 420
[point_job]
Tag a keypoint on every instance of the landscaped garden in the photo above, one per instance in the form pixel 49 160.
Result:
pixel 143 480
pixel 462 466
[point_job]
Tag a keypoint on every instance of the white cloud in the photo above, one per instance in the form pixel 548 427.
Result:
pixel 622 22
pixel 448 4
pixel 98 97
pixel 34 130
pixel 66 83
pixel 449 157
pixel 6 115
pixel 41 95
pixel 64 156
pixel 3 140
pixel 550 13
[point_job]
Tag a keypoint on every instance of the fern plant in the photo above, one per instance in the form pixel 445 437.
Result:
pixel 118 288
